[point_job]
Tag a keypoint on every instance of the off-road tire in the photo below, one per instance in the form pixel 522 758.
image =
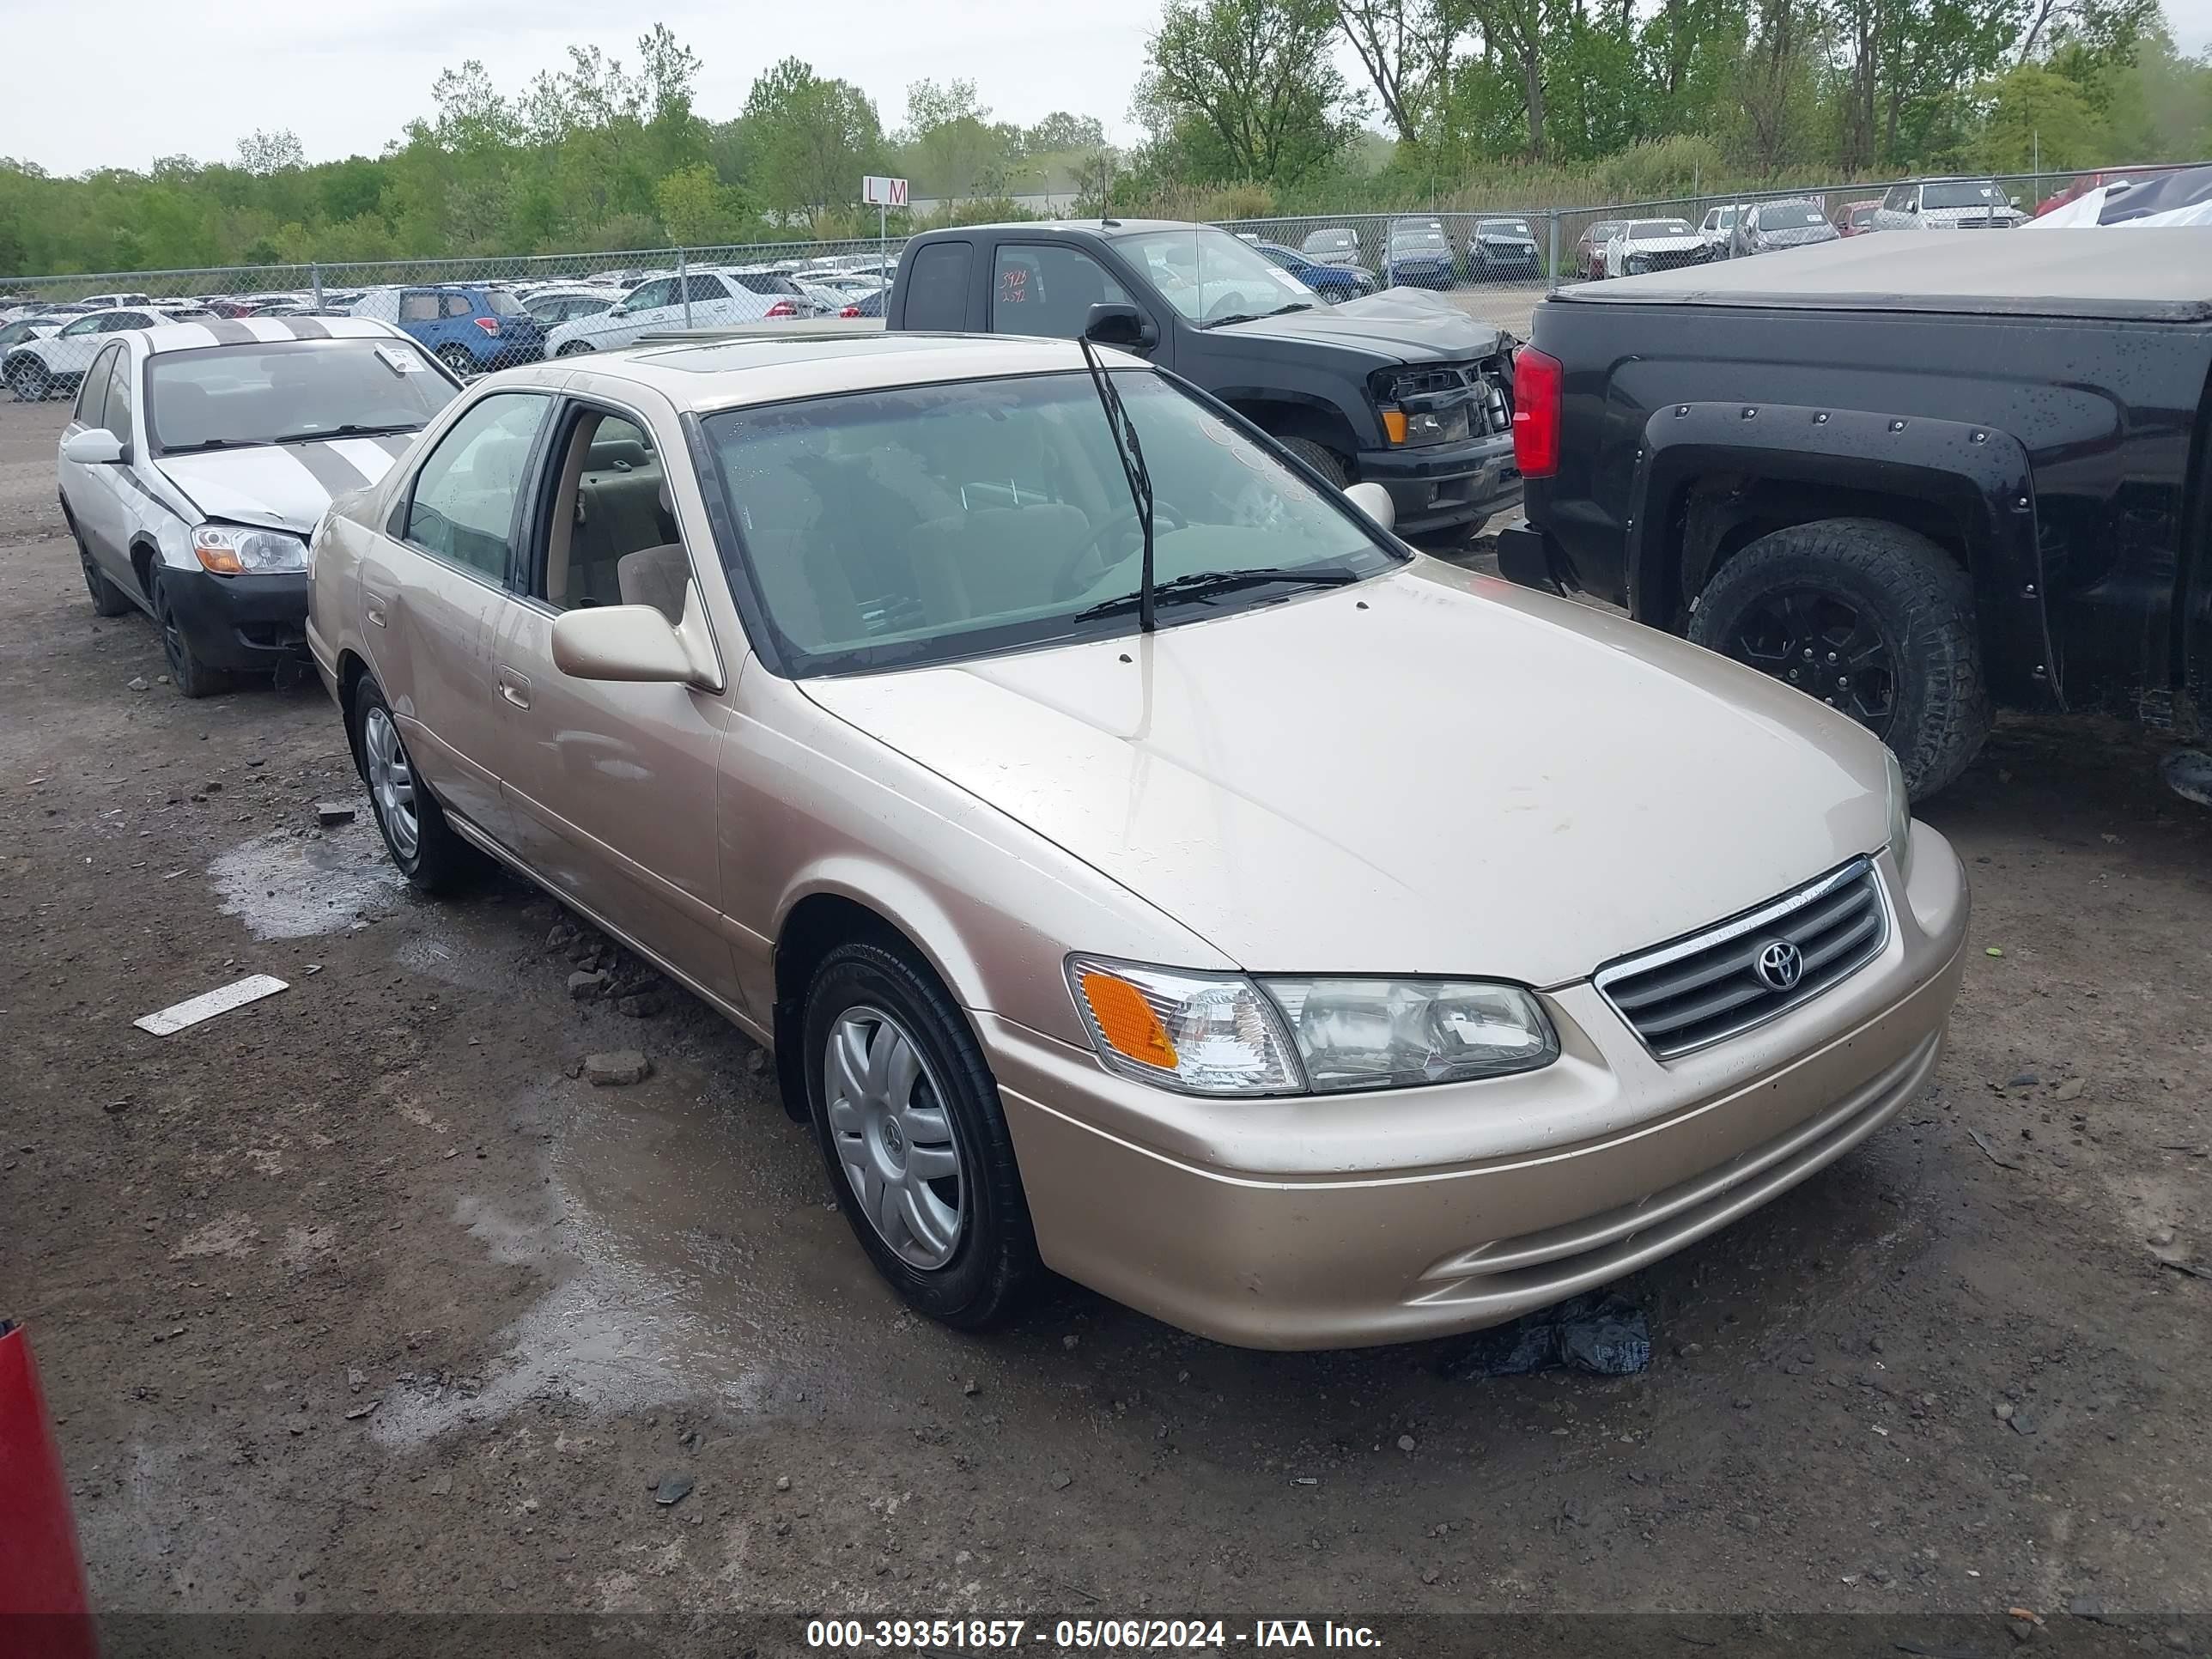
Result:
pixel 1920 600
pixel 994 1266
pixel 1324 461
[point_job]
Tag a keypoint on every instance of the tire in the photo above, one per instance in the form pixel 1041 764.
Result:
pixel 866 995
pixel 191 678
pixel 1326 462
pixel 422 845
pixel 572 349
pixel 1880 594
pixel 30 381
pixel 457 358
pixel 107 600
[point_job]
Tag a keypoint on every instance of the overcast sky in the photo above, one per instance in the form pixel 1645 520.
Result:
pixel 345 77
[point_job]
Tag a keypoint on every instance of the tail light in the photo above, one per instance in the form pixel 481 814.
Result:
pixel 1537 383
pixel 488 325
pixel 850 311
pixel 783 308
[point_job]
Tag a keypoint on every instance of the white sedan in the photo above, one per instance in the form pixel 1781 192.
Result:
pixel 200 457
pixel 698 299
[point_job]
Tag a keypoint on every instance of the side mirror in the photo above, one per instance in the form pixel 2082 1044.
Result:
pixel 634 644
pixel 1112 324
pixel 95 447
pixel 1374 501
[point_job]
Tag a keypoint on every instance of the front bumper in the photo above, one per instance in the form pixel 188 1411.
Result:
pixel 1439 486
pixel 250 623
pixel 1332 1222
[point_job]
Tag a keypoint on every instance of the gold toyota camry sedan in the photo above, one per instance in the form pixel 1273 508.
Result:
pixel 1141 865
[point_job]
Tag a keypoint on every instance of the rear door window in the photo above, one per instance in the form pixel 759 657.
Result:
pixel 463 507
pixel 458 305
pixel 937 286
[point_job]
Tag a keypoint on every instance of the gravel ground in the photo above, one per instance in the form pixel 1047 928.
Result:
pixel 356 1300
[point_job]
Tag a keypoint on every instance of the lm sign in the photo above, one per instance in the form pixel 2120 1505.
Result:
pixel 883 192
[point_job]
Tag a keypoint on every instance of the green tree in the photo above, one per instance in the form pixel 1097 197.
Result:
pixel 2037 118
pixel 815 140
pixel 1246 89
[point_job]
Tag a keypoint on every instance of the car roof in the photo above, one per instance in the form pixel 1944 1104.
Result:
pixel 2161 274
pixel 263 331
pixel 733 370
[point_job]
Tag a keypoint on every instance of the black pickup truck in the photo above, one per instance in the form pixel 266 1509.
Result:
pixel 1912 475
pixel 1401 388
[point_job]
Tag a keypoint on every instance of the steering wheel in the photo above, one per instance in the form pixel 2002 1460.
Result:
pixel 1164 514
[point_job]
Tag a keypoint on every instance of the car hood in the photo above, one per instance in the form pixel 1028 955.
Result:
pixel 282 486
pixel 1681 244
pixel 1798 236
pixel 1399 324
pixel 1432 771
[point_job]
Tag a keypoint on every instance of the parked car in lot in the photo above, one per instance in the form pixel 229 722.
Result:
pixel 33 327
pixel 716 299
pixel 472 328
pixel 822 682
pixel 1416 253
pixel 1503 249
pixel 1401 388
pixel 1717 228
pixel 554 305
pixel 1337 245
pixel 1911 476
pixel 1947 205
pixel 1857 218
pixel 1589 248
pixel 1333 283
pixel 200 456
pixel 1764 227
pixel 37 368
pixel 1643 245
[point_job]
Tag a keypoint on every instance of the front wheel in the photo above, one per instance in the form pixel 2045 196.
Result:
pixel 191 677
pixel 1873 619
pixel 907 1117
pixel 29 381
pixel 1323 460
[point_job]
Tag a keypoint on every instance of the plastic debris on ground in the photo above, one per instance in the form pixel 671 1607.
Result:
pixel 1602 1334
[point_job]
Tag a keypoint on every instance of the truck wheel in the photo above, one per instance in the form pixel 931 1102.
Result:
pixel 1326 462
pixel 1871 618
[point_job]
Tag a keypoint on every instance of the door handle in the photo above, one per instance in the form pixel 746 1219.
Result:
pixel 376 615
pixel 514 686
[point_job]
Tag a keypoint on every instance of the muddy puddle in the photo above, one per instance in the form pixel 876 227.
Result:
pixel 288 886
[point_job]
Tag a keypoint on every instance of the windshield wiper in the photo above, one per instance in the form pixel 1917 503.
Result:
pixel 215 443
pixel 348 431
pixel 1295 305
pixel 1203 584
pixel 1233 317
pixel 1132 453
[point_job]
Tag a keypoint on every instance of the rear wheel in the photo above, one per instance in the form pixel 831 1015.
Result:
pixel 107 600
pixel 1874 620
pixel 191 677
pixel 422 843
pixel 907 1113
pixel 457 358
pixel 1325 461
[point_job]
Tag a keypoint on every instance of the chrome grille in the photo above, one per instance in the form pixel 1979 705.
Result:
pixel 1697 990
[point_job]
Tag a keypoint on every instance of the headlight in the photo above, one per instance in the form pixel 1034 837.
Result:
pixel 1397 1033
pixel 1223 1034
pixel 1900 819
pixel 232 550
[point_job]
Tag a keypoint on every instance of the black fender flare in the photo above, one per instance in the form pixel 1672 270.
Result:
pixel 1980 470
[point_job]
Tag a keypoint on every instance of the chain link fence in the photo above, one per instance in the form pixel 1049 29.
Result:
pixel 482 313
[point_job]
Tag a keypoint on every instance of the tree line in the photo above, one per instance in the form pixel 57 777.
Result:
pixel 1245 108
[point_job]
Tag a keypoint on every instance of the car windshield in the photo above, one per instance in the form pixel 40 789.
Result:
pixel 1501 228
pixel 927 524
pixel 1790 216
pixel 1643 227
pixel 1958 196
pixel 1212 277
pixel 283 391
pixel 1413 236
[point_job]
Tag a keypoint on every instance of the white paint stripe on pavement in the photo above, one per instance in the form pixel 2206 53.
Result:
pixel 208 1004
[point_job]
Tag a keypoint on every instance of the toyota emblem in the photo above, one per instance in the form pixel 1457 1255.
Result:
pixel 1779 964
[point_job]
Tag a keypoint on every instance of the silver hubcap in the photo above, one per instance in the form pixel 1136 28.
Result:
pixel 391 782
pixel 894 1138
